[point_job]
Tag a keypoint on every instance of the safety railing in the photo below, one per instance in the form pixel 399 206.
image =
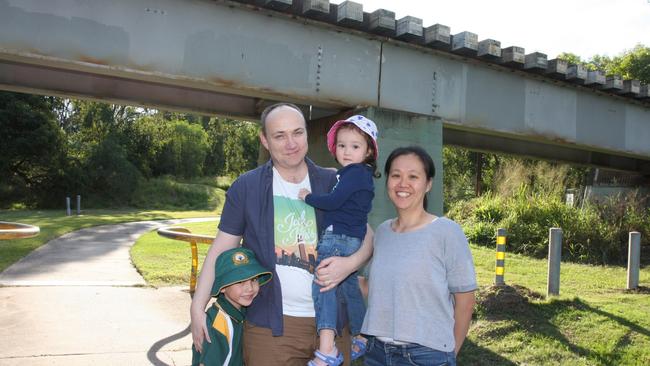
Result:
pixel 183 234
pixel 14 230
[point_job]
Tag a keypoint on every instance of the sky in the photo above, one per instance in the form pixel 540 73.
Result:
pixel 582 27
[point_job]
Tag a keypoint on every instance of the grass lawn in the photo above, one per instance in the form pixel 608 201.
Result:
pixel 54 223
pixel 163 261
pixel 593 321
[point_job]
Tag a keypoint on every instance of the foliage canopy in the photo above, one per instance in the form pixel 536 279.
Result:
pixel 631 64
pixel 56 147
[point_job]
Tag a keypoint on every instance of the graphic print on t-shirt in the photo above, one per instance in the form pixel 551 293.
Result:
pixel 295 235
pixel 294 242
pixel 295 227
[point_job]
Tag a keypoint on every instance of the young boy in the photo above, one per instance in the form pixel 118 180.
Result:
pixel 238 277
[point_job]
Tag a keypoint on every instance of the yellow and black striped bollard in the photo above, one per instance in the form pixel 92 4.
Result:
pixel 501 257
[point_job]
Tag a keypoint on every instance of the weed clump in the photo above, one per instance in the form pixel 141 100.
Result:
pixel 497 302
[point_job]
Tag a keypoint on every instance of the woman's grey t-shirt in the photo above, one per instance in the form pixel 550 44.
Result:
pixel 413 276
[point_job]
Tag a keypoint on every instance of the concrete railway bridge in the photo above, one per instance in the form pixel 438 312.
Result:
pixel 424 85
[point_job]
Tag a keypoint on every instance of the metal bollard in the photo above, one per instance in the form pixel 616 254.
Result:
pixel 633 260
pixel 78 204
pixel 501 258
pixel 67 206
pixel 554 257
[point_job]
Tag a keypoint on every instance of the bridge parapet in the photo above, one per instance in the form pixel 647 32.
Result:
pixel 410 29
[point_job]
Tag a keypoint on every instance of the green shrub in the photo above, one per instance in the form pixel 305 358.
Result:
pixel 166 193
pixel 483 233
pixel 595 234
pixel 480 218
pixel 217 182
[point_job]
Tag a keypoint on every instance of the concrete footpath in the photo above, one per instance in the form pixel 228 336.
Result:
pixel 78 300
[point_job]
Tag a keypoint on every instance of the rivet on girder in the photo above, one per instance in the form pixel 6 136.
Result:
pixel 318 67
pixel 434 89
pixel 155 11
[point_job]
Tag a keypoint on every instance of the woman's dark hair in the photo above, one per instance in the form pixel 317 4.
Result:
pixel 420 153
pixel 370 160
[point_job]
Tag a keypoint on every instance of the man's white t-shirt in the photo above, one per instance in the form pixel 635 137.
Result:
pixel 296 237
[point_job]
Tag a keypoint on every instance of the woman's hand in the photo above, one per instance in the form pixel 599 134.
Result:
pixel 332 271
pixel 363 286
pixel 463 308
pixel 199 331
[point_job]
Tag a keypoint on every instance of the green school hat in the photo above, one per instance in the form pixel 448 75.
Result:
pixel 236 265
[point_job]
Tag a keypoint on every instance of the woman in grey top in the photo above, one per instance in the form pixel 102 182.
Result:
pixel 421 279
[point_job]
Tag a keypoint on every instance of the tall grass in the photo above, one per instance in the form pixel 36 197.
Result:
pixel 527 201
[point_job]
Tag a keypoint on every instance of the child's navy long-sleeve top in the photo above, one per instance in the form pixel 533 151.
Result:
pixel 347 206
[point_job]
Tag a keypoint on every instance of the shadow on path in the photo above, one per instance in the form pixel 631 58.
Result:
pixel 156 347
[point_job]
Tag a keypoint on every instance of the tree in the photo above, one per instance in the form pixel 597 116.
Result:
pixel 234 146
pixel 632 64
pixel 574 59
pixel 32 152
pixel 569 57
pixel 466 173
pixel 184 150
pixel 143 140
pixel 241 148
pixel 109 177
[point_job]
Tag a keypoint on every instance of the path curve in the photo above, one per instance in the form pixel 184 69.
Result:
pixel 78 300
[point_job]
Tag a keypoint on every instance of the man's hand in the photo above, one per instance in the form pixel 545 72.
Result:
pixel 199 331
pixel 333 270
pixel 303 193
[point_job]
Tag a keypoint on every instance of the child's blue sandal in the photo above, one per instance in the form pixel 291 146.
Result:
pixel 329 360
pixel 361 347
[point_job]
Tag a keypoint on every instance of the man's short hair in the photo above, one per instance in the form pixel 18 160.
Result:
pixel 271 108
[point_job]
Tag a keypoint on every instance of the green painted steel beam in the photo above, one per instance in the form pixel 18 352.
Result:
pixel 232 58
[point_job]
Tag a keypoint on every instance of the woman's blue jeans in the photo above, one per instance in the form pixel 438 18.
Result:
pixel 380 354
pixel 325 303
